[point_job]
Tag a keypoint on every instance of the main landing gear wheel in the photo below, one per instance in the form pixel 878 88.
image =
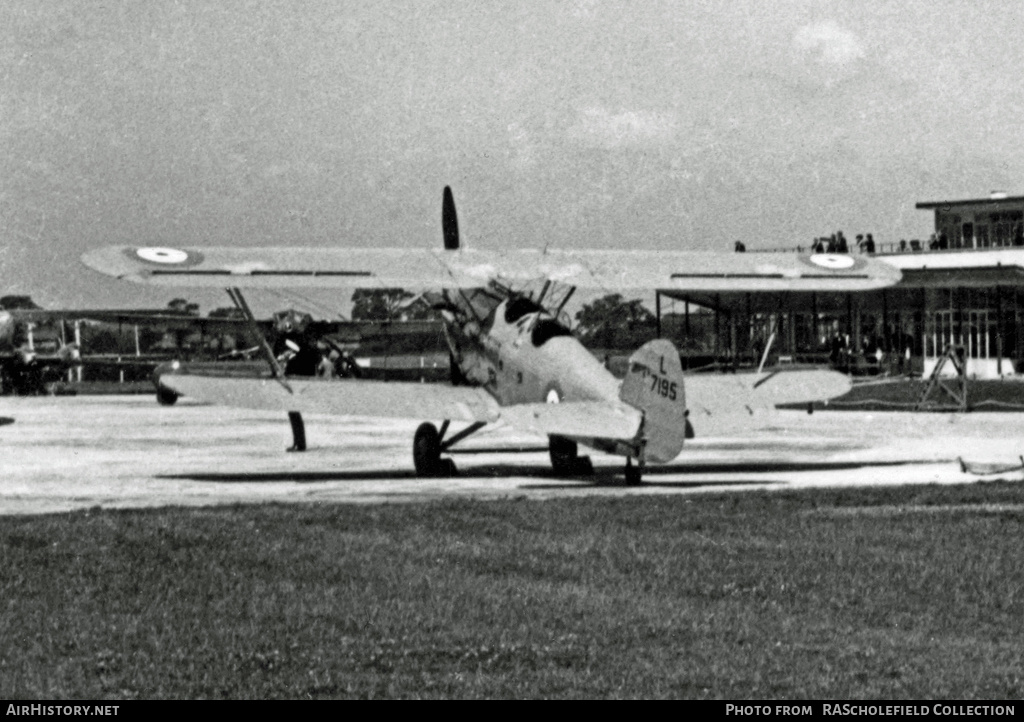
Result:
pixel 165 397
pixel 426 453
pixel 634 474
pixel 565 458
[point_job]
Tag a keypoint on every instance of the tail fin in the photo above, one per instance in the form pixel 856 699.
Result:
pixel 654 384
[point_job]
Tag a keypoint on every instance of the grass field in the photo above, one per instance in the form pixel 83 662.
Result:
pixel 881 593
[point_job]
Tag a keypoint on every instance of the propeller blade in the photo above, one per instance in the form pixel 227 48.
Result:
pixel 449 221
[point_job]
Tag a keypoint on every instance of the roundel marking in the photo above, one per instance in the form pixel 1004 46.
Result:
pixel 162 255
pixel 832 261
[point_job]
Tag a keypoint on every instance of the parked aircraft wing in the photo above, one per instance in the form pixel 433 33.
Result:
pixel 339 397
pixel 729 403
pixel 627 270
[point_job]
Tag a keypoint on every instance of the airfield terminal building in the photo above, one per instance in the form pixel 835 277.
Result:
pixel 962 287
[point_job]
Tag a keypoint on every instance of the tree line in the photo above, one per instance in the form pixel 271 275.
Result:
pixel 608 322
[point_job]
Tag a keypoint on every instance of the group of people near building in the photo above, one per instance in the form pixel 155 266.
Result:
pixel 865 243
pixel 937 242
pixel 837 243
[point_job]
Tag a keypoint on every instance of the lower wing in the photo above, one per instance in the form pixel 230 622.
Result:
pixel 341 397
pixel 587 419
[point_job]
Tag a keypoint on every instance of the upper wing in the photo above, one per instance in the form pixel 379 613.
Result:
pixel 427 268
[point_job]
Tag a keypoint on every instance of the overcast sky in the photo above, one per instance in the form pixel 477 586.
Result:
pixel 682 125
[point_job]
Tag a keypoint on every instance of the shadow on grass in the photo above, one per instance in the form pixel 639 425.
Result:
pixel 4 420
pixel 609 477
pixel 600 481
pixel 766 467
pixel 306 477
pixel 774 446
pixel 603 476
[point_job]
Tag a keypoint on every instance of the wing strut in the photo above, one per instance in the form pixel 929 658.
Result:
pixel 275 368
pixel 558 312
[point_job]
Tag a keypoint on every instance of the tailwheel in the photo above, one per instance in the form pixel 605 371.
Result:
pixel 634 474
pixel 565 458
pixel 426 453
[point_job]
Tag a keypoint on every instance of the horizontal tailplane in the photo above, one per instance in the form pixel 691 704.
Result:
pixel 796 387
pixel 654 385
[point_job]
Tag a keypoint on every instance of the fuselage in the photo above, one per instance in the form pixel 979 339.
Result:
pixel 521 354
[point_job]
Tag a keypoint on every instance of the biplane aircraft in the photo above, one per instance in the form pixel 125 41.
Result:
pixel 34 351
pixel 514 360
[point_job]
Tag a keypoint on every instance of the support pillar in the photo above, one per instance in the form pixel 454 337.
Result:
pixel 733 342
pixel 815 328
pixel 748 327
pixel 886 342
pixel 718 331
pixel 78 344
pixel 999 331
pixel 849 331
pixel 657 312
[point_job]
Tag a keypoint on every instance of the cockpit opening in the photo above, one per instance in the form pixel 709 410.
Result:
pixel 546 329
pixel 519 306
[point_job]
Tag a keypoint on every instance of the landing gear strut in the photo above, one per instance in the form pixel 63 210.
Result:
pixel 298 431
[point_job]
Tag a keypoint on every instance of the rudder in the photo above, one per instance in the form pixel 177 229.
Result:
pixel 654 385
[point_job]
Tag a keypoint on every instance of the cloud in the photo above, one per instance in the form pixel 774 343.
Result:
pixel 599 127
pixel 829 44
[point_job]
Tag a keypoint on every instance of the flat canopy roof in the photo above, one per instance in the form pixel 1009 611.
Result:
pixel 971 202
pixel 906 292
